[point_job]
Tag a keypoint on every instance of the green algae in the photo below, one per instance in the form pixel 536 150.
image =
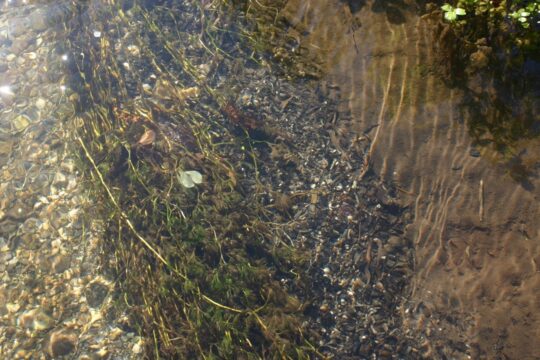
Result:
pixel 199 267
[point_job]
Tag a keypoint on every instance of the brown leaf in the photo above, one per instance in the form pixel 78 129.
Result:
pixel 147 138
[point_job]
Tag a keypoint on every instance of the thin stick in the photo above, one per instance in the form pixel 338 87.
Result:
pixel 481 198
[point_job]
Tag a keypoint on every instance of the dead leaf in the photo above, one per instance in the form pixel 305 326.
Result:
pixel 147 138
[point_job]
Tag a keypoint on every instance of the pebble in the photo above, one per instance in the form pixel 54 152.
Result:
pixel 38 20
pixel 19 45
pixel 96 293
pixel 138 347
pixel 60 179
pixel 115 333
pixel 36 320
pixel 13 307
pixel 61 263
pixel 102 353
pixel 18 26
pixel 41 103
pixel 61 343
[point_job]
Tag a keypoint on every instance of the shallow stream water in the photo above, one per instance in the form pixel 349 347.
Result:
pixel 471 212
pixel 475 228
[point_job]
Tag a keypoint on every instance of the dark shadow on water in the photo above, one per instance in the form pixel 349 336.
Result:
pixel 394 9
pixel 503 111
pixel 520 172
pixel 355 5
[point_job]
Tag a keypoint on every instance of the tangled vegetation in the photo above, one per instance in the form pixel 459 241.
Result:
pixel 512 28
pixel 197 252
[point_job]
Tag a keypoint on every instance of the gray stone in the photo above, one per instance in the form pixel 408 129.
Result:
pixel 18 26
pixel 38 20
pixel 20 44
pixel 96 293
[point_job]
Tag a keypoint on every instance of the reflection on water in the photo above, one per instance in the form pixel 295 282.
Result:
pixel 475 227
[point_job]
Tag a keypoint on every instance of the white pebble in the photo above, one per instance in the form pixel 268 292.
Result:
pixel 41 103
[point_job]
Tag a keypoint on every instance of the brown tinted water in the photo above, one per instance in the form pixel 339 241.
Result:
pixel 475 229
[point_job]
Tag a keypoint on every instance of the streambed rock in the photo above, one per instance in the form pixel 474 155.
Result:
pixel 61 343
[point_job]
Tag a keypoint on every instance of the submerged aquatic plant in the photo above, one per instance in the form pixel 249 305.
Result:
pixel 528 15
pixel 208 266
pixel 451 13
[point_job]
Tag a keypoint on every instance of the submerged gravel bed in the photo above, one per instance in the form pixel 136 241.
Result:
pixel 54 300
pixel 334 209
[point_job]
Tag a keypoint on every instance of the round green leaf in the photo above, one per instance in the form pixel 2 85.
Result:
pixel 189 178
pixel 450 16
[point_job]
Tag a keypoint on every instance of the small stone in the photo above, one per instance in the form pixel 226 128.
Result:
pixel 11 57
pixel 60 179
pixel 13 307
pixel 102 353
pixel 3 67
pixel 61 343
pixel 61 263
pixel 138 347
pixel 21 354
pixel 38 20
pixel 41 103
pixel 74 97
pixel 115 333
pixel 36 319
pixel 19 45
pixel 133 50
pixel 18 26
pixel 20 123
pixel 96 293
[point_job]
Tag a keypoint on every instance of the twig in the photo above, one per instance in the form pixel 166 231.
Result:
pixel 481 198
